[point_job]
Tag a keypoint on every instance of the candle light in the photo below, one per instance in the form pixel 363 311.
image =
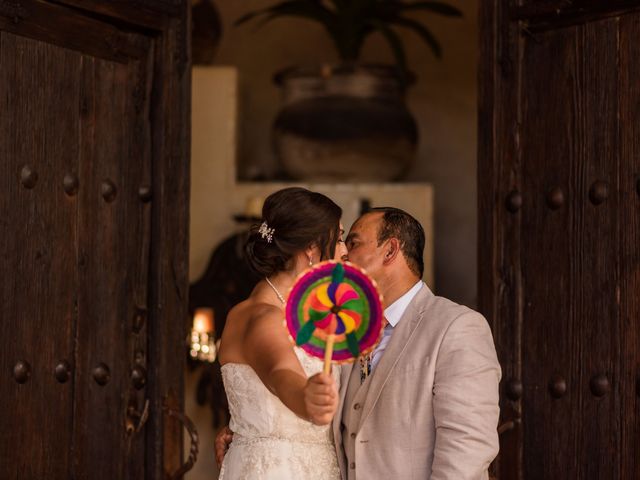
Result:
pixel 203 320
pixel 202 344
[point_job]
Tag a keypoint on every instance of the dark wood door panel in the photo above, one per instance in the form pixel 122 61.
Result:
pixel 79 254
pixel 69 28
pixel 629 252
pixel 577 8
pixel 39 140
pixel 570 234
pixel 77 139
pixel 148 14
pixel 558 182
pixel 548 329
pixel 94 169
pixel 113 241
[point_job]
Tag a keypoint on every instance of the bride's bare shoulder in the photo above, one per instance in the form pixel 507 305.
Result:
pixel 251 315
pixel 248 321
pixel 253 309
pixel 263 313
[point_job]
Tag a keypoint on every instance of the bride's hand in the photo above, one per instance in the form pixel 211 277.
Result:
pixel 321 398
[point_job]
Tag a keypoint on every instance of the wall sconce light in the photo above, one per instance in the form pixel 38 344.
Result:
pixel 202 341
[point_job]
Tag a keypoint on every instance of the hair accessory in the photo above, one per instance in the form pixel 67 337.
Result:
pixel 266 232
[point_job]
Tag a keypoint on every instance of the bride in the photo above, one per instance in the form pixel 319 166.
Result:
pixel 281 403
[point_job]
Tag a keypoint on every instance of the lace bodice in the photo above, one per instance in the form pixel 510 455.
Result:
pixel 256 412
pixel 270 441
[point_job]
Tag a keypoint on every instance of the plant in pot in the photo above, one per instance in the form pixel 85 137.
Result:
pixel 349 121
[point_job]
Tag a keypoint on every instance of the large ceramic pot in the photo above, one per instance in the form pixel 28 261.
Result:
pixel 345 123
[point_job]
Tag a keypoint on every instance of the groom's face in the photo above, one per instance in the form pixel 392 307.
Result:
pixel 362 244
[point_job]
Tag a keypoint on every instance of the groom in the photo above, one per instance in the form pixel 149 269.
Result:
pixel 428 407
pixel 425 402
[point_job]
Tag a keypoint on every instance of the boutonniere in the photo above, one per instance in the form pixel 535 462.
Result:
pixel 365 366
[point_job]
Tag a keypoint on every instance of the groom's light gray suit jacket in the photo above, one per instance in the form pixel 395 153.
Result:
pixel 430 408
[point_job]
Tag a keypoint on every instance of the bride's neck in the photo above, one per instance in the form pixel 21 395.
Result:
pixel 283 280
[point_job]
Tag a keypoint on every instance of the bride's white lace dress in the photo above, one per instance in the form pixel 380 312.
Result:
pixel 270 442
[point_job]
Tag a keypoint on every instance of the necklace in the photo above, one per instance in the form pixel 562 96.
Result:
pixel 280 297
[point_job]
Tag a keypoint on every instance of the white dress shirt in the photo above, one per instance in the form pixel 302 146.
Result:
pixel 393 313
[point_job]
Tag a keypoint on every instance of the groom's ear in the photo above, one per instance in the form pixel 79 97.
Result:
pixel 391 250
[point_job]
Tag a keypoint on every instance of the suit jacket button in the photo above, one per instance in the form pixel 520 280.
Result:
pixel 356 406
pixel 352 465
pixel 353 435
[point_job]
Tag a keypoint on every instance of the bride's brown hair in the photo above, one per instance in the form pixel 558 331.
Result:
pixel 299 219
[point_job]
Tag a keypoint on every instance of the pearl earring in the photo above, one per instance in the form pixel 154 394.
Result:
pixel 310 262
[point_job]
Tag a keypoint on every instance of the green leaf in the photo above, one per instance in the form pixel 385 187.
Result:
pixel 304 334
pixel 423 32
pixel 394 42
pixel 352 344
pixel 337 276
pixel 435 7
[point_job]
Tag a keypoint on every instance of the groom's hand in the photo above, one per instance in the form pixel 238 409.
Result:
pixel 321 398
pixel 223 439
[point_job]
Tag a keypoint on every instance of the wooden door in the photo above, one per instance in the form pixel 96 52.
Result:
pixel 94 187
pixel 559 242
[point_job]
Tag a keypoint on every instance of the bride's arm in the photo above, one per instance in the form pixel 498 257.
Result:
pixel 268 351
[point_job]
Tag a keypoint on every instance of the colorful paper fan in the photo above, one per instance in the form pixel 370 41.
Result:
pixel 336 299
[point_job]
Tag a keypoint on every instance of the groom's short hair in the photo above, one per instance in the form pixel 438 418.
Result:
pixel 399 224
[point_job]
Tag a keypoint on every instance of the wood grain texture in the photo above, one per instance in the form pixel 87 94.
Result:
pixel 113 263
pixel 499 277
pixel 149 14
pixel 629 253
pixel 60 26
pixel 38 127
pixel 102 94
pixel 555 13
pixel 548 331
pixel 570 322
pixel 168 316
pixel 560 281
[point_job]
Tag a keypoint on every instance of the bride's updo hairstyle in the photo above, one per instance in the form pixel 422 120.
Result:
pixel 293 220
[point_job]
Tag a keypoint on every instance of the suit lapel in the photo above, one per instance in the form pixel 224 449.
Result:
pixel 345 374
pixel 400 338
